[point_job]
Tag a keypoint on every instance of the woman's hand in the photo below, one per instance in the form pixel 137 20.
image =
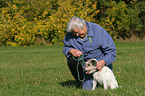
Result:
pixel 75 52
pixel 100 65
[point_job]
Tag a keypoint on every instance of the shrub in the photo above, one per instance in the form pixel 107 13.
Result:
pixel 34 22
pixel 38 22
pixel 122 20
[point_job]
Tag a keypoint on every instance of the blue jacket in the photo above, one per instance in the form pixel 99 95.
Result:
pixel 98 44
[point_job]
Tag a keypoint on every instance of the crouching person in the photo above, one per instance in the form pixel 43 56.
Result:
pixel 92 41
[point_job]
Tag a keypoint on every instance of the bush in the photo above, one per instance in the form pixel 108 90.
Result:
pixel 38 22
pixel 35 23
pixel 122 20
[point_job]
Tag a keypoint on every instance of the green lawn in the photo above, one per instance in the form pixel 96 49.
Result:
pixel 43 71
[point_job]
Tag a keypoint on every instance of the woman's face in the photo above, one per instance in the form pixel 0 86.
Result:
pixel 80 32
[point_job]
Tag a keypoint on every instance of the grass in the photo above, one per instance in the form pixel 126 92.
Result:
pixel 43 71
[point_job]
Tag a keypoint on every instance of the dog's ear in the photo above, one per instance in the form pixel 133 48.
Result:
pixel 94 62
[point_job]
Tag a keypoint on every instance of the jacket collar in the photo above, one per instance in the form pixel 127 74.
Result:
pixel 89 30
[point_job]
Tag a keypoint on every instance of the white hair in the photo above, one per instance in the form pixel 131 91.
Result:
pixel 75 22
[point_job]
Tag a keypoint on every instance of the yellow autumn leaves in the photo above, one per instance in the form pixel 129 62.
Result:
pixel 23 22
pixel 37 22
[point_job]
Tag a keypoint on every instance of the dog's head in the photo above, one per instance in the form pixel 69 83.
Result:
pixel 91 66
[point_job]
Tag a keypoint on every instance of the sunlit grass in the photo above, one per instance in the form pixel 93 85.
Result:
pixel 43 71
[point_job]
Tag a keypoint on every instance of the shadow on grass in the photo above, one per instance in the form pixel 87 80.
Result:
pixel 73 83
pixel 69 83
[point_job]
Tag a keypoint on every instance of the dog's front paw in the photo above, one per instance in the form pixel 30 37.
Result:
pixel 93 88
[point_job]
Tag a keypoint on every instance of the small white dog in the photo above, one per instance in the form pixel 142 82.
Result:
pixel 104 77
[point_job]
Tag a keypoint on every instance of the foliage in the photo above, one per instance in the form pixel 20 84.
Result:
pixel 121 20
pixel 38 22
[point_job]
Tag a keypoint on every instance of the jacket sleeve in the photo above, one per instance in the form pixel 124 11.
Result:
pixel 108 48
pixel 66 46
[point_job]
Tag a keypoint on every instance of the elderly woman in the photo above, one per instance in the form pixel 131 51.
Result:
pixel 92 41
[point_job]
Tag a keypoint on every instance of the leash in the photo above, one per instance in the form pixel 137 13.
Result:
pixel 82 62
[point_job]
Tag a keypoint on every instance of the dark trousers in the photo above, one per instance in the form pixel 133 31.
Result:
pixel 77 73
